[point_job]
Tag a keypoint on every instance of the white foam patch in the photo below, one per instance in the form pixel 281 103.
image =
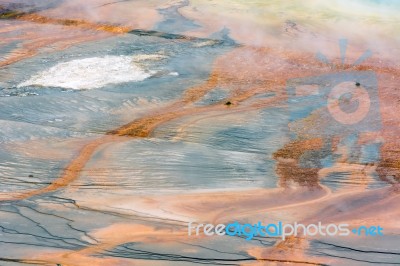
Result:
pixel 90 73
pixel 148 57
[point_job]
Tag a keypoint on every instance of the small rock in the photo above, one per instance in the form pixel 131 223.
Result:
pixel 30 175
pixel 358 84
pixel 228 103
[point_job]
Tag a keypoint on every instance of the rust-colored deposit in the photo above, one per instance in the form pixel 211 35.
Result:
pixel 302 196
pixel 244 78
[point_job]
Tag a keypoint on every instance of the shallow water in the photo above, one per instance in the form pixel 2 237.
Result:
pixel 116 132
